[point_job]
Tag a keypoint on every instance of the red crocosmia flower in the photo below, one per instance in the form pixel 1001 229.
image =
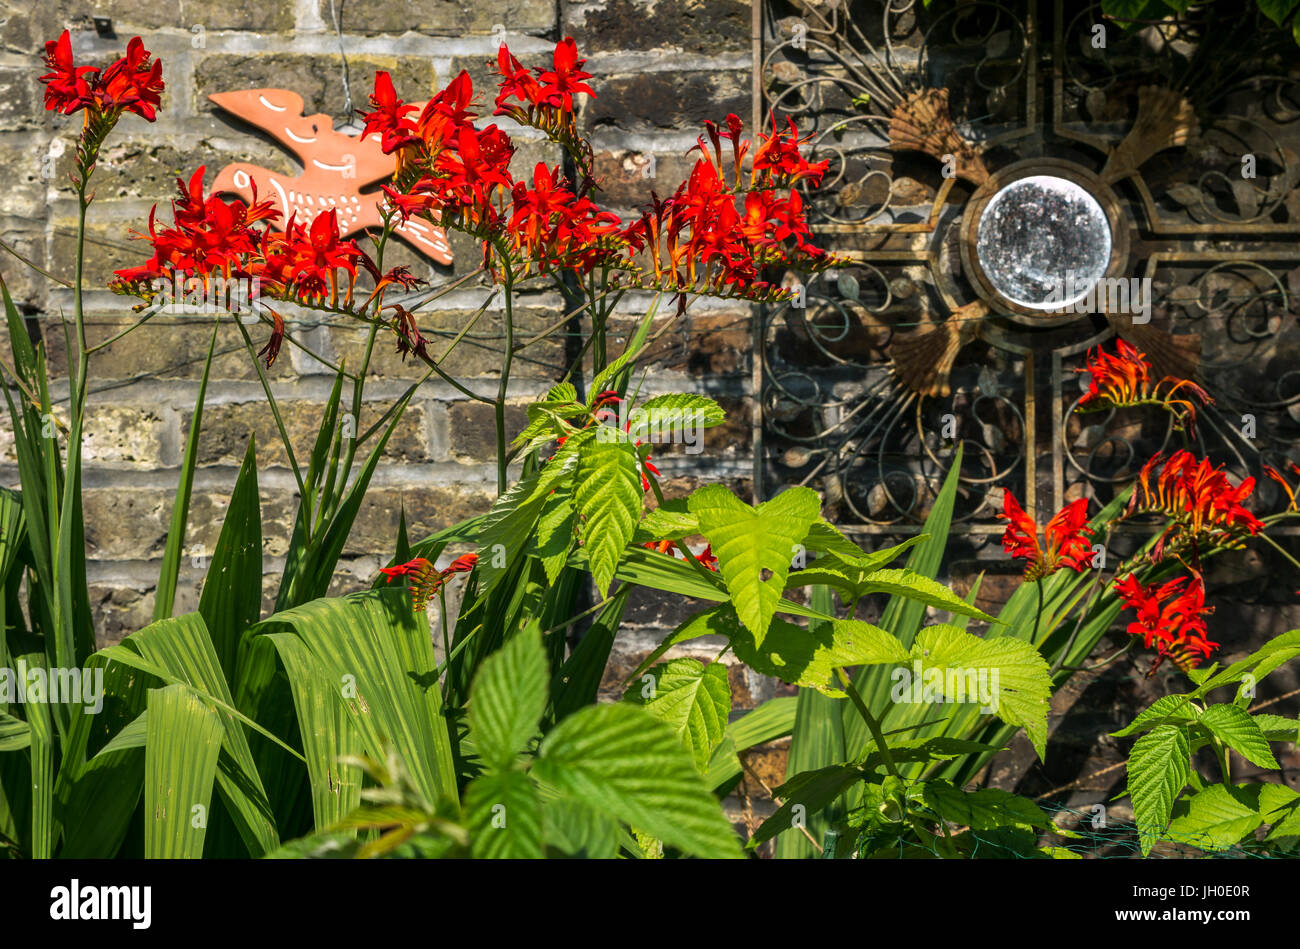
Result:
pixel 67 86
pixel 424 580
pixel 1199 500
pixel 778 154
pixel 705 557
pixel 565 80
pixel 462 564
pixel 389 118
pixel 1170 617
pixel 274 341
pixel 211 236
pixel 516 83
pixel 1067 536
pixel 1124 379
pixel 1290 492
pixel 131 84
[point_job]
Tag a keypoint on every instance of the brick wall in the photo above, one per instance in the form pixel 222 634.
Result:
pixel 661 68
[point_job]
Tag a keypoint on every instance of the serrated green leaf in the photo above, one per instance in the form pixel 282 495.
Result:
pixel 1279 806
pixel 693 699
pixel 1166 710
pixel 623 762
pixel 825 538
pixel 1258 664
pixel 984 808
pixel 750 542
pixel 504 814
pixel 572 827
pixel 675 417
pixel 555 531
pixel 1235 728
pixel 607 495
pixel 1277 727
pixel 808 657
pixel 1216 818
pixel 669 521
pixel 857 579
pixel 508 698
pixel 1158 769
pixel 1011 670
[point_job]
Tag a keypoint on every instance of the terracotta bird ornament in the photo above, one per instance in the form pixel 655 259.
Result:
pixel 336 166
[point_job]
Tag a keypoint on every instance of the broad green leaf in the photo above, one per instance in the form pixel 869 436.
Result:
pixel 231 600
pixel 560 403
pixel 504 815
pixel 773 719
pixel 825 538
pixel 508 698
pixel 327 734
pixel 555 526
pixel 375 653
pixel 809 657
pixel 607 495
pixel 1158 769
pixel 1215 818
pixel 578 680
pixel 1011 671
pixel 668 522
pixel 165 591
pixel 1166 710
pixel 1278 727
pixel 1258 664
pixel 693 699
pixel 803 795
pixel 1279 806
pixel 817 735
pixel 572 827
pixel 1235 728
pixel 984 808
pixel 855 581
pixel 1278 10
pixel 182 746
pixel 674 418
pixel 623 762
pixel 504 531
pixel 755 546
pixel 179 650
pixel 15 734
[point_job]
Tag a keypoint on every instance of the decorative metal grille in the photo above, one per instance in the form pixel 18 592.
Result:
pixel 925 116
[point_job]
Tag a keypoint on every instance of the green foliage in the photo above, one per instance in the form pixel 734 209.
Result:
pixel 755 546
pixel 1174 727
